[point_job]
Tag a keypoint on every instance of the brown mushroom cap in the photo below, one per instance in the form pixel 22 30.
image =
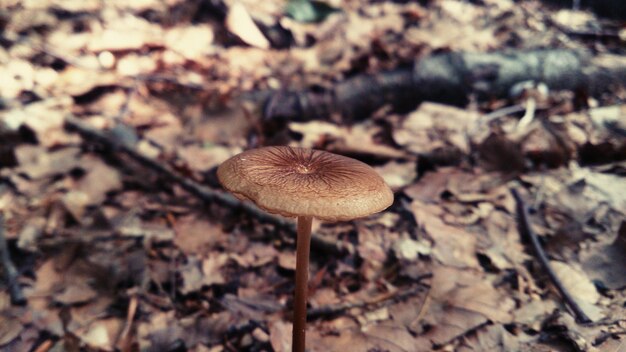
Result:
pixel 305 182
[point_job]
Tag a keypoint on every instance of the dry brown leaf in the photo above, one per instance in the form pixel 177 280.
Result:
pixel 355 139
pixel 17 76
pixel 37 162
pixel 461 301
pixel 46 118
pixel 10 329
pixel 451 245
pixel 287 260
pixel 504 248
pixel 77 293
pixel 196 235
pixel 125 32
pixel 211 268
pixel 398 175
pixel 192 42
pixel 491 338
pixel 280 335
pixel 191 275
pixel 434 126
pixel 102 334
pixel 343 334
pixel 159 331
pixel 407 249
pixel 580 287
pixel 606 263
pixel 256 255
pixel 239 22
pixel 76 81
pixel 99 179
pixel 205 158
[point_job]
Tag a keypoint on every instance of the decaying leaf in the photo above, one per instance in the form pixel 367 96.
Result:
pixel 451 245
pixel 607 262
pixel 434 126
pixel 10 329
pixel 580 287
pixel 239 22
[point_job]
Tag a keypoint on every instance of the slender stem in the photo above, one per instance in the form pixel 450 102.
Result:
pixel 526 230
pixel 302 277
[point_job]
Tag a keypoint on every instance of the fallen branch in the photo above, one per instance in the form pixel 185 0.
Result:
pixel 452 78
pixel 526 231
pixel 203 193
pixel 15 291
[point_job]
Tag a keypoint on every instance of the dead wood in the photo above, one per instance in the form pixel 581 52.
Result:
pixel 452 78
pixel 527 232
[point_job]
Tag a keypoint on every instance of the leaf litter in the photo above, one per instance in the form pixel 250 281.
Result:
pixel 115 257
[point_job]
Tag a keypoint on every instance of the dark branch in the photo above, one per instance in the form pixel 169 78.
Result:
pixel 203 193
pixel 452 78
pixel 334 309
pixel 15 291
pixel 526 231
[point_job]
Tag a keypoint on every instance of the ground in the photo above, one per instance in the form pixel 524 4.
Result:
pixel 115 115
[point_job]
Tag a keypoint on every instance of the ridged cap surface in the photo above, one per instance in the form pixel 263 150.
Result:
pixel 305 182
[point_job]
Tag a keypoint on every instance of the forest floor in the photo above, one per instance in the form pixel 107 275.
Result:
pixel 115 114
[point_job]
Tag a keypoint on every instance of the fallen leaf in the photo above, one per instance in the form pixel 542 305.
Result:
pixel 192 42
pixel 451 245
pixel 239 22
pixel 462 300
pixel 408 249
pixel 280 335
pixel 101 334
pixel 504 247
pixel 580 287
pixel 287 260
pixel 125 33
pixel 205 158
pixel 211 268
pixel 196 235
pixel 434 126
pixel 10 329
pixel 191 275
pixel 606 263
pixel 355 139
pixel 491 338
pixel 398 175
pixel 76 294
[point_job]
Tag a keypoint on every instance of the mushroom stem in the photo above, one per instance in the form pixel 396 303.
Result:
pixel 303 245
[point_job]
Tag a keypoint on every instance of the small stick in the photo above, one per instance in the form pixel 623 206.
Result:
pixel 15 291
pixel 334 309
pixel 203 193
pixel 526 231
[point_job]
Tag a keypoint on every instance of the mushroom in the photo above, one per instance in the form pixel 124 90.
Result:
pixel 307 184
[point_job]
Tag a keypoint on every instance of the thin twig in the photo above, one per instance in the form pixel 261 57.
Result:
pixel 203 193
pixel 334 309
pixel 526 231
pixel 15 291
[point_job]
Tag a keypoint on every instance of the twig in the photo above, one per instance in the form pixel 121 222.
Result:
pixel 203 193
pixel 334 309
pixel 15 291
pixel 526 231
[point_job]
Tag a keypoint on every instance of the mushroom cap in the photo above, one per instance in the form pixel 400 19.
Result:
pixel 305 182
